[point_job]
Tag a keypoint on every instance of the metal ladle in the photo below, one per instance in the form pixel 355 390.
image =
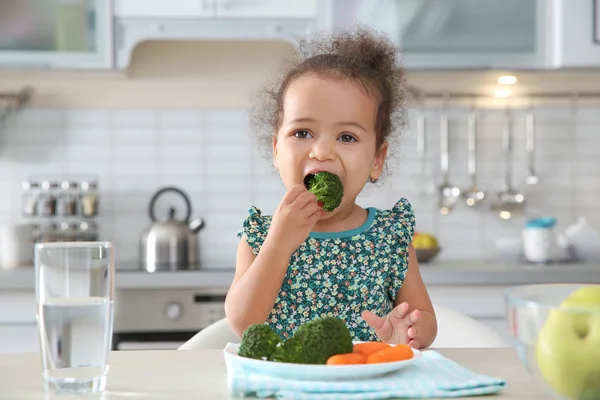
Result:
pixel 449 194
pixel 531 178
pixel 510 202
pixel 475 194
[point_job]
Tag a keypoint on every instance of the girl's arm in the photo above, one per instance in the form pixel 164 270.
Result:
pixel 414 292
pixel 255 285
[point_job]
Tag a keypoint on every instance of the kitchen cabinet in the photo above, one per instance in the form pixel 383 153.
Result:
pixel 137 21
pixel 18 324
pixel 245 9
pixel 19 338
pixel 70 34
pixel 460 34
pixel 266 9
pixel 579 37
pixel 164 9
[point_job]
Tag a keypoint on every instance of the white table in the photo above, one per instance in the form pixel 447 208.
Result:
pixel 198 375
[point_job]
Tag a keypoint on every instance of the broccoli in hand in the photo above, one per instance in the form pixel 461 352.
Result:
pixel 322 338
pixel 327 187
pixel 259 341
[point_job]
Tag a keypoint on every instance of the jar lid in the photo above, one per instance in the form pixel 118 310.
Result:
pixel 542 222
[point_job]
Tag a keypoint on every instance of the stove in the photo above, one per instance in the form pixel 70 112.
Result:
pixel 165 316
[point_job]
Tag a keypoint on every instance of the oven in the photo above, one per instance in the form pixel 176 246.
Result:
pixel 163 319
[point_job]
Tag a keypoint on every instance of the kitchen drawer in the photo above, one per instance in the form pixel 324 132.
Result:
pixel 17 307
pixel 164 9
pixel 19 338
pixel 261 9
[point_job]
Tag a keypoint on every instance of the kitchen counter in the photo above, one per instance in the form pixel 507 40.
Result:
pixel 198 374
pixel 472 273
pixel 24 279
pixel 469 273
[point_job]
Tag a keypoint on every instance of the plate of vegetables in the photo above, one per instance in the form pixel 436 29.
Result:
pixel 321 349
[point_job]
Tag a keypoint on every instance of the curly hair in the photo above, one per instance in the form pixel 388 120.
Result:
pixel 359 55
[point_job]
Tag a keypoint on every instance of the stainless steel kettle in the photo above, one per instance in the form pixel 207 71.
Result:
pixel 170 244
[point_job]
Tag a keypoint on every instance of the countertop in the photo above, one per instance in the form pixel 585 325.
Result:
pixel 201 374
pixel 24 279
pixel 468 273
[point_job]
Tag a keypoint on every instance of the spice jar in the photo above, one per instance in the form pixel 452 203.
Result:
pixel 31 192
pixel 89 199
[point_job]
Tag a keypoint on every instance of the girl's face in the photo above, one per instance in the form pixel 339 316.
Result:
pixel 328 125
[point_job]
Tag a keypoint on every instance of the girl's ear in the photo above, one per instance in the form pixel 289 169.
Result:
pixel 274 143
pixel 379 161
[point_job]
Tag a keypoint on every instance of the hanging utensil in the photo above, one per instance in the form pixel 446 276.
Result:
pixel 531 178
pixel 423 181
pixel 510 202
pixel 448 193
pixel 475 194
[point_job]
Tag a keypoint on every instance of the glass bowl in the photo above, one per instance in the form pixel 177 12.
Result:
pixel 556 333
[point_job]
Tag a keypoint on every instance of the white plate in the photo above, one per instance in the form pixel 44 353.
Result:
pixel 314 372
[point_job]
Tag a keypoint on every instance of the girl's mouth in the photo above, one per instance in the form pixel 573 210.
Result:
pixel 307 180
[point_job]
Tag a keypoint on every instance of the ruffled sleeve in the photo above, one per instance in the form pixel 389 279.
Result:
pixel 402 219
pixel 255 229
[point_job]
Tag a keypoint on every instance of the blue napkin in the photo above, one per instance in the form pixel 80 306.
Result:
pixel 433 375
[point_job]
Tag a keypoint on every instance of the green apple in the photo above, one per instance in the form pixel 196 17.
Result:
pixel 568 346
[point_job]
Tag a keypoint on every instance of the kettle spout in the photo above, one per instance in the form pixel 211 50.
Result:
pixel 196 224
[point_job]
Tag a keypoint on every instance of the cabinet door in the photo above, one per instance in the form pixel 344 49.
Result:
pixel 580 33
pixel 164 8
pixel 442 34
pixel 56 34
pixel 261 9
pixel 19 339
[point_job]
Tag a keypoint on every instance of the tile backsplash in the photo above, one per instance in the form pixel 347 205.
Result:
pixel 209 154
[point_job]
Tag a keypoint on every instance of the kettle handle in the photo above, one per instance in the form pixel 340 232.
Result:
pixel 171 189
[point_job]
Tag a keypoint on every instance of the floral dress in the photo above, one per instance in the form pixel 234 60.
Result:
pixel 341 273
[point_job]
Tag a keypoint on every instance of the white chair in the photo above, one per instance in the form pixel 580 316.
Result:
pixel 454 330
pixel 214 336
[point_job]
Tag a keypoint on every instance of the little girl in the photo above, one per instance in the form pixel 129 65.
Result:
pixel 333 110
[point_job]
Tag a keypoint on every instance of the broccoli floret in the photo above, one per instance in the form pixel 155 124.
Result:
pixel 289 351
pixel 259 341
pixel 322 338
pixel 327 187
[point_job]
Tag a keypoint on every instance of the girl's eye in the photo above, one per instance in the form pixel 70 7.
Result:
pixel 346 138
pixel 302 134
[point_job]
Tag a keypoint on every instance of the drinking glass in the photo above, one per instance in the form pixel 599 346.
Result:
pixel 75 295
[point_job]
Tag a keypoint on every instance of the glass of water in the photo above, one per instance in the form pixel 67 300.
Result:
pixel 75 294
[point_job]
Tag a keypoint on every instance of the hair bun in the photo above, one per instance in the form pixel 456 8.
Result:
pixel 360 46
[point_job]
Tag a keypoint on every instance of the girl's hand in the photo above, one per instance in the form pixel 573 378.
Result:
pixel 398 327
pixel 294 218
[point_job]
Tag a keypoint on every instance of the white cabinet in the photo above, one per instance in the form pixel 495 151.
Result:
pixel 138 21
pixel 245 9
pixel 72 34
pixel 579 36
pixel 164 9
pixel 442 34
pixel 19 338
pixel 265 9
pixel 18 325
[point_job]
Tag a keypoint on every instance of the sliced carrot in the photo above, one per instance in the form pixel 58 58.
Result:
pixel 393 353
pixel 346 359
pixel 368 348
